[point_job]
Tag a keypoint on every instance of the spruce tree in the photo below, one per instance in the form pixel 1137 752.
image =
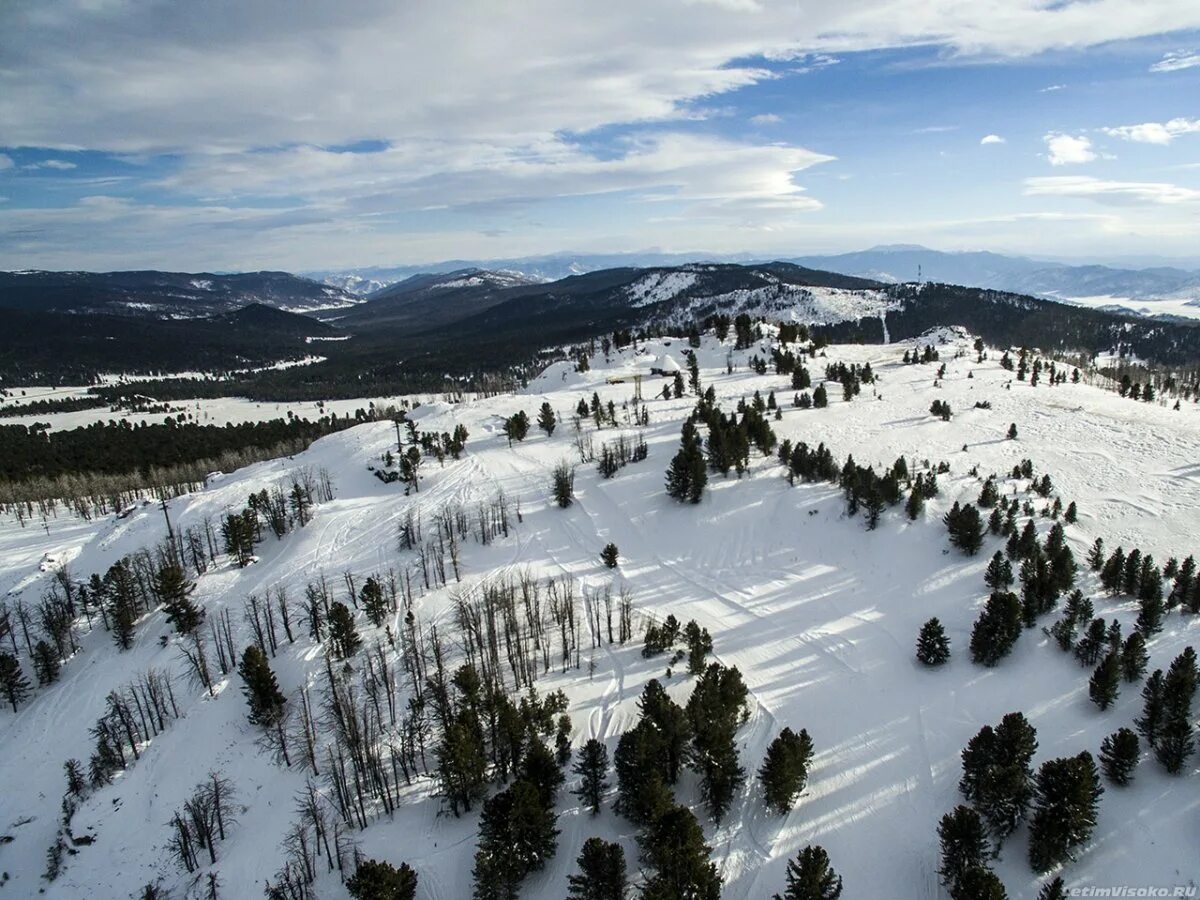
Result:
pixel 343 634
pixel 601 872
pixel 933 647
pixel 260 688
pixel 784 772
pixel 13 682
pixel 174 590
pixel 1176 738
pixel 1068 796
pixel 678 859
pixel 378 880
pixel 965 527
pixel 592 769
pixel 820 398
pixel 1106 680
pixel 1119 754
pixel 999 574
pixel 964 845
pixel 997 629
pixel 811 877
pixel 546 419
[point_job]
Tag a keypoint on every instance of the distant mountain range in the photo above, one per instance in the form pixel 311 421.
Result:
pixel 432 330
pixel 1160 290
pixel 167 295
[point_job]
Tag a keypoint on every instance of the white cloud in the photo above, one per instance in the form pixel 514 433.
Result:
pixel 992 139
pixel 1065 149
pixel 227 74
pixel 5 162
pixel 766 119
pixel 60 165
pixel 1050 88
pixel 1155 132
pixel 1117 193
pixel 1179 59
pixel 935 129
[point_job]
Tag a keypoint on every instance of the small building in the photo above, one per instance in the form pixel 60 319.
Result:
pixel 665 365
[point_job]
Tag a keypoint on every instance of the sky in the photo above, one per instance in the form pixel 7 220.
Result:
pixel 232 135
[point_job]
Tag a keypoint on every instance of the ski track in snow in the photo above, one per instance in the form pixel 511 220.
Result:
pixel 818 614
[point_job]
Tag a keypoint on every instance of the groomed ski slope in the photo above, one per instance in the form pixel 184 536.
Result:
pixel 819 615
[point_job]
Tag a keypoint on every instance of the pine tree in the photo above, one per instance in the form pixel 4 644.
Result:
pixel 1068 795
pixel 1096 555
pixel 1106 680
pixel 13 682
pixel 997 773
pixel 174 590
pixel 678 859
pixel 979 883
pixel 1054 890
pixel 1119 754
pixel 592 769
pixel 562 484
pixel 999 574
pixel 516 836
pixel 997 629
pixel 377 880
pixel 811 877
pixel 1134 657
pixel 699 644
pixel 46 663
pixel 965 527
pixel 915 504
pixel 1012 431
pixel 343 634
pixel 820 398
pixel 601 872
pixel 1176 737
pixel 1149 724
pixel 933 647
pixel 610 555
pixel 373 601
pixel 546 419
pixel 261 689
pixel 784 772
pixel 964 845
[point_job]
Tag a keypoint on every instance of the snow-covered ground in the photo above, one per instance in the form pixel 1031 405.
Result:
pixel 819 614
pixel 1187 307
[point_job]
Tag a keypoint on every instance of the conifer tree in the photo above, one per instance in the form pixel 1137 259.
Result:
pixel 699 644
pixel 260 688
pixel 1068 796
pixel 1053 890
pixel 1149 724
pixel 1119 754
pixel 784 771
pixel 546 419
pixel 1106 680
pixel 46 663
pixel 610 555
pixel 997 629
pixel 378 880
pixel 820 398
pixel 13 682
pixel 174 590
pixel 343 634
pixel 933 647
pixel 811 877
pixel 373 601
pixel 562 484
pixel 1176 735
pixel 979 883
pixel 678 859
pixel 516 837
pixel 592 769
pixel 1134 657
pixel 601 872
pixel 1012 431
pixel 965 527
pixel 964 845
pixel 997 773
pixel 999 574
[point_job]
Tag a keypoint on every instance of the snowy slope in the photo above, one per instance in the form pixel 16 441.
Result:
pixel 819 615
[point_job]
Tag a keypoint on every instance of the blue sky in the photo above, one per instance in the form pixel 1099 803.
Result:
pixel 225 135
